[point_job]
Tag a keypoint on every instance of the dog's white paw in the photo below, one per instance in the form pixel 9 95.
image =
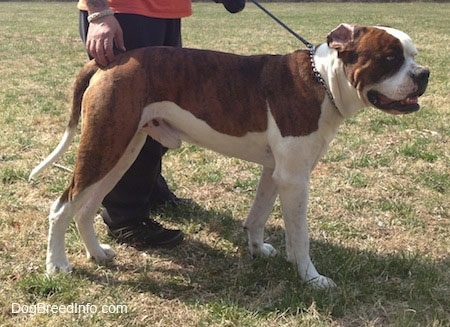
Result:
pixel 109 252
pixel 321 283
pixel 268 250
pixel 53 268
pixel 263 250
pixel 105 253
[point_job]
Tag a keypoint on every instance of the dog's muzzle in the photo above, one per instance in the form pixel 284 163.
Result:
pixel 420 76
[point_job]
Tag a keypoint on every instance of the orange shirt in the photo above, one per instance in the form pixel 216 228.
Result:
pixel 149 8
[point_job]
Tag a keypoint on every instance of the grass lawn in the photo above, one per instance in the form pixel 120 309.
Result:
pixel 379 207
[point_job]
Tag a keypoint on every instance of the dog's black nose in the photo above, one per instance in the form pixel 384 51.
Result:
pixel 420 75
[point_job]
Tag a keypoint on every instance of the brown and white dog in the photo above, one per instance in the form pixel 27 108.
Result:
pixel 268 109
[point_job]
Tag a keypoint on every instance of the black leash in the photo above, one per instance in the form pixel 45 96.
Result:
pixel 309 46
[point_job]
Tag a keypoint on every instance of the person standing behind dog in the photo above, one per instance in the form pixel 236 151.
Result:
pixel 107 26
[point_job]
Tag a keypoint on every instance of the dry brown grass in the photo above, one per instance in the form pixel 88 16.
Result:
pixel 379 209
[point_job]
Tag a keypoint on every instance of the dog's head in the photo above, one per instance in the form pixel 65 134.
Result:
pixel 379 63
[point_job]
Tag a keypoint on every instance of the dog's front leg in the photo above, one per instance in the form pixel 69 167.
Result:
pixel 294 193
pixel 266 194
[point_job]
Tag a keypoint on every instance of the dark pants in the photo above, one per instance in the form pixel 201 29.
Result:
pixel 142 186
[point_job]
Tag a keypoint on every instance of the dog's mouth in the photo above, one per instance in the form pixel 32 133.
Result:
pixel 404 106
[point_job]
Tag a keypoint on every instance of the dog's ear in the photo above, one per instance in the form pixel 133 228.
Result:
pixel 343 36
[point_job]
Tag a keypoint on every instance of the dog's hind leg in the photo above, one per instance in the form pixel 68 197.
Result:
pixel 266 194
pixel 59 219
pixel 94 195
pixel 85 224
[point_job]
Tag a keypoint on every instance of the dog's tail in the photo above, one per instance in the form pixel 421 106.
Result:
pixel 80 86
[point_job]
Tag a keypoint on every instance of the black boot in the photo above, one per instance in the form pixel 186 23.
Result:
pixel 145 234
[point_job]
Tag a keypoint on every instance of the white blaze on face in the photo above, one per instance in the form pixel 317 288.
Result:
pixel 410 49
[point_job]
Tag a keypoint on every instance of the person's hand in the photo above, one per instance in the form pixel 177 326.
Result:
pixel 103 34
pixel 233 6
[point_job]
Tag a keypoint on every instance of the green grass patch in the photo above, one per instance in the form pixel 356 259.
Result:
pixel 379 213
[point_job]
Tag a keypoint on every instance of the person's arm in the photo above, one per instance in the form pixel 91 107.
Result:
pixel 103 33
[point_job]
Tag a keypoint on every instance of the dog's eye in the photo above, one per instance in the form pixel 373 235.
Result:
pixel 392 60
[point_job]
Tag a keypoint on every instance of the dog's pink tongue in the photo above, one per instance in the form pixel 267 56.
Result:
pixel 384 100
